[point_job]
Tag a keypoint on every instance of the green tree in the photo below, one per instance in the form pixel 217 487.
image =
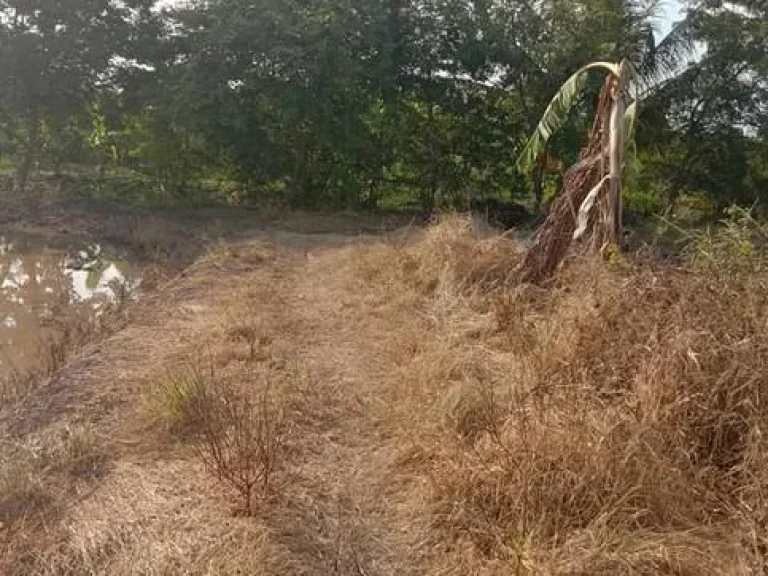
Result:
pixel 709 116
pixel 54 56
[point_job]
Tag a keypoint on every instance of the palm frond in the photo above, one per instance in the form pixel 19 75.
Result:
pixel 672 87
pixel 557 112
pixel 666 58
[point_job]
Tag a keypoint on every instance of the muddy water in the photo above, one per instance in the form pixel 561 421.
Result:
pixel 42 279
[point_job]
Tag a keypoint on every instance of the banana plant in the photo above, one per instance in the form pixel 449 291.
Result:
pixel 619 137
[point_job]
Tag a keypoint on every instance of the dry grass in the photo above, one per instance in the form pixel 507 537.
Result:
pixel 39 476
pixel 615 424
pixel 429 415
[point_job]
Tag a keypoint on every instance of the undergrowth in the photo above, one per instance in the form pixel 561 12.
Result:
pixel 612 422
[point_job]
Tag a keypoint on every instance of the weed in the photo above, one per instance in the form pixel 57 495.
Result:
pixel 174 401
pixel 738 246
pixel 238 432
pixel 82 457
pixel 241 440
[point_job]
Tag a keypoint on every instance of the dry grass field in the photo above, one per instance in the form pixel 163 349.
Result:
pixel 320 405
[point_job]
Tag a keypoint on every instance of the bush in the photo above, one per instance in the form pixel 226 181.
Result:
pixel 642 203
pixel 739 245
pixel 238 432
pixel 241 440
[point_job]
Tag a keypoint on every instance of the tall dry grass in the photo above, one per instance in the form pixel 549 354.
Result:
pixel 613 422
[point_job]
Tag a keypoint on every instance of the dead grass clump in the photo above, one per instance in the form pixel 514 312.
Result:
pixel 451 257
pixel 471 411
pixel 72 449
pixel 524 503
pixel 37 475
pixel 237 430
pixel 640 429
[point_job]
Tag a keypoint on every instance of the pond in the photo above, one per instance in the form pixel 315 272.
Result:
pixel 44 278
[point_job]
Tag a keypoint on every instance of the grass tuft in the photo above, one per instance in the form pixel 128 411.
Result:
pixel 236 431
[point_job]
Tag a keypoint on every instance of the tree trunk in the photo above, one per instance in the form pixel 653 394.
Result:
pixel 429 189
pixel 300 179
pixel 33 146
pixel 538 182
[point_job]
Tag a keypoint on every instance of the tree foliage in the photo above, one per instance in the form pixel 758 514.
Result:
pixel 377 102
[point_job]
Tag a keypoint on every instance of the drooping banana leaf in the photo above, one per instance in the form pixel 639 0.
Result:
pixel 582 220
pixel 557 112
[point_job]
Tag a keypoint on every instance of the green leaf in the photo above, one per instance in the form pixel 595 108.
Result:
pixel 556 113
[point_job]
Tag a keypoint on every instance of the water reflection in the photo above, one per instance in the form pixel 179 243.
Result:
pixel 40 279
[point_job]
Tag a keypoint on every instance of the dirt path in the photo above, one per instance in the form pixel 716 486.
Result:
pixel 341 508
pixel 359 523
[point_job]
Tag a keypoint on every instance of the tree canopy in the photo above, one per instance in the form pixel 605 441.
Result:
pixel 376 103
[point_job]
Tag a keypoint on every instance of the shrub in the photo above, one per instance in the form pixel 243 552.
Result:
pixel 738 246
pixel 237 432
pixel 642 202
pixel 240 439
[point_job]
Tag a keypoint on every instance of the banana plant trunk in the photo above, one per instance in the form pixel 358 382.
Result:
pixel 616 147
pixel 589 204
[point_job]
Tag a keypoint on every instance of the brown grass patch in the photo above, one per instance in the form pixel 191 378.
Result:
pixel 455 423
pixel 38 476
pixel 611 423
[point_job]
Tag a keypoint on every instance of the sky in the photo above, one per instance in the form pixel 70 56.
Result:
pixel 671 13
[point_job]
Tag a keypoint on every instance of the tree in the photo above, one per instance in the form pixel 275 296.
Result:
pixel 54 55
pixel 589 185
pixel 709 114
